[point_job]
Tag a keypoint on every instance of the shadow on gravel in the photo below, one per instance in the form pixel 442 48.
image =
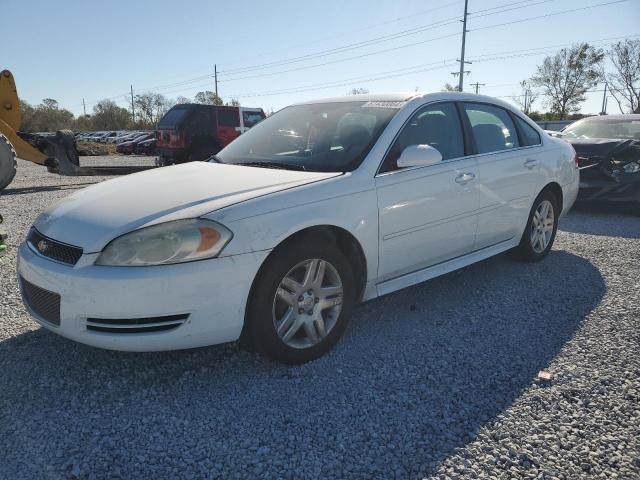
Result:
pixel 44 188
pixel 612 223
pixel 417 374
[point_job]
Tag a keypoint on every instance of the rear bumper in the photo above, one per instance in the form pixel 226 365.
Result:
pixel 212 293
pixel 172 153
pixel 570 193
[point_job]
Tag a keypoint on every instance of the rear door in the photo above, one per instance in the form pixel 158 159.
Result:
pixel 509 174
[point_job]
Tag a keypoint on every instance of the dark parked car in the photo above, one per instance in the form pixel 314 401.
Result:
pixel 192 132
pixel 127 148
pixel 608 149
pixel 146 147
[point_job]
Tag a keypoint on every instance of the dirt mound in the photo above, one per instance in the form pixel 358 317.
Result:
pixel 95 149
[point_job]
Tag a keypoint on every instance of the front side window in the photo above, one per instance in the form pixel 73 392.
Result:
pixel 435 125
pixel 228 117
pixel 491 127
pixel 322 137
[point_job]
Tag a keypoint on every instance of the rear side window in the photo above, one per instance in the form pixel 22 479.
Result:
pixel 529 135
pixel 173 117
pixel 228 118
pixel 251 118
pixel 492 128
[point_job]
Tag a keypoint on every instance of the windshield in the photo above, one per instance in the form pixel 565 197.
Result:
pixel 322 137
pixel 603 128
pixel 173 117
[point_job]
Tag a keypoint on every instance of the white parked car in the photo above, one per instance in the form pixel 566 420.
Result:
pixel 317 207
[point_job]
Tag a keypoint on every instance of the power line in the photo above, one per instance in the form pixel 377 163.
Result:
pixel 379 40
pixel 537 17
pixel 366 43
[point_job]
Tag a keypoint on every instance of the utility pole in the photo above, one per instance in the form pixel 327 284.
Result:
pixel 604 101
pixel 84 108
pixel 477 85
pixel 133 110
pixel 215 76
pixel 464 38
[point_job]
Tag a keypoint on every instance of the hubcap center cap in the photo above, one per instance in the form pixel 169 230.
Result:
pixel 307 301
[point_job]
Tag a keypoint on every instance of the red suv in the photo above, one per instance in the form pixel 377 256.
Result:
pixel 191 132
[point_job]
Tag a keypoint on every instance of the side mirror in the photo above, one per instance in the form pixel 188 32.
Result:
pixel 419 155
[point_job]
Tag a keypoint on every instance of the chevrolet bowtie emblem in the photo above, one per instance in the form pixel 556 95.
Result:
pixel 42 246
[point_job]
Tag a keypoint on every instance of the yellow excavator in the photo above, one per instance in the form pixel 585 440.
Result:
pixel 57 152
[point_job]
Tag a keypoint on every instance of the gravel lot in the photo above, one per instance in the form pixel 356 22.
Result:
pixel 438 380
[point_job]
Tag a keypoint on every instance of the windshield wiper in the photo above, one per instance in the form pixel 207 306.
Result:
pixel 279 165
pixel 215 158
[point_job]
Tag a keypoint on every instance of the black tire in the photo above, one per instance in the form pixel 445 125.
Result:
pixel 8 164
pixel 260 332
pixel 525 249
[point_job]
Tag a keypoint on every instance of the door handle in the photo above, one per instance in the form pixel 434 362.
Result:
pixel 465 178
pixel 530 163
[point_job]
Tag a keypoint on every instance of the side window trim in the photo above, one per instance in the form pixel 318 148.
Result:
pixel 469 142
pixel 413 113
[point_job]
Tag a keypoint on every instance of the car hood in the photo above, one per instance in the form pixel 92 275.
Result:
pixel 94 216
pixel 602 148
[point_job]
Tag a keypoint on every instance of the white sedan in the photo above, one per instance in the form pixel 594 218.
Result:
pixel 321 205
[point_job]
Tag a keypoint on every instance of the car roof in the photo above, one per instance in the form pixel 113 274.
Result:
pixel 405 97
pixel 627 116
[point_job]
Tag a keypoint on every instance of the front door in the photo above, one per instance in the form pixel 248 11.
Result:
pixel 427 214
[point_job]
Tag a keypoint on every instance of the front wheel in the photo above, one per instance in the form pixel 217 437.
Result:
pixel 300 303
pixel 540 232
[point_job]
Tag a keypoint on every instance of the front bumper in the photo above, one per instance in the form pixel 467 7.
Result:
pixel 212 292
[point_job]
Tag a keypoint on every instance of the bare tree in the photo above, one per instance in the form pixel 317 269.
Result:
pixel 150 107
pixel 625 81
pixel 447 87
pixel 357 91
pixel 526 97
pixel 566 76
pixel 234 102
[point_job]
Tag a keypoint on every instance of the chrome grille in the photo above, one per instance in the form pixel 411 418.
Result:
pixel 58 251
pixel 136 325
pixel 45 304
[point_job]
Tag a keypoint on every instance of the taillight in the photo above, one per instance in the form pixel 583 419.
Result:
pixel 576 161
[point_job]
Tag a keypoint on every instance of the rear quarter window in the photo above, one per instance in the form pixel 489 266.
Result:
pixel 529 134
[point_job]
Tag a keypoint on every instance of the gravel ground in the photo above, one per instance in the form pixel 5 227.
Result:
pixel 437 380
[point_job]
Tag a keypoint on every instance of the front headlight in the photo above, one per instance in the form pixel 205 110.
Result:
pixel 172 242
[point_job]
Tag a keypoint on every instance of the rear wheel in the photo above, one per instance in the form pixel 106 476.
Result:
pixel 300 303
pixel 538 236
pixel 8 163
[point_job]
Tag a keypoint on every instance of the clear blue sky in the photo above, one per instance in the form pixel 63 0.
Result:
pixel 74 49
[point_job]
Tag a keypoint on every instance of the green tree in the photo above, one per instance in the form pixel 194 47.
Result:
pixel 107 115
pixel 566 76
pixel 208 98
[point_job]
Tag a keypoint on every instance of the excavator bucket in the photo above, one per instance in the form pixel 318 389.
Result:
pixel 57 151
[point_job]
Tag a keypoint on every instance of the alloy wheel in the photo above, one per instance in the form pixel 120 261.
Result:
pixel 307 303
pixel 542 225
